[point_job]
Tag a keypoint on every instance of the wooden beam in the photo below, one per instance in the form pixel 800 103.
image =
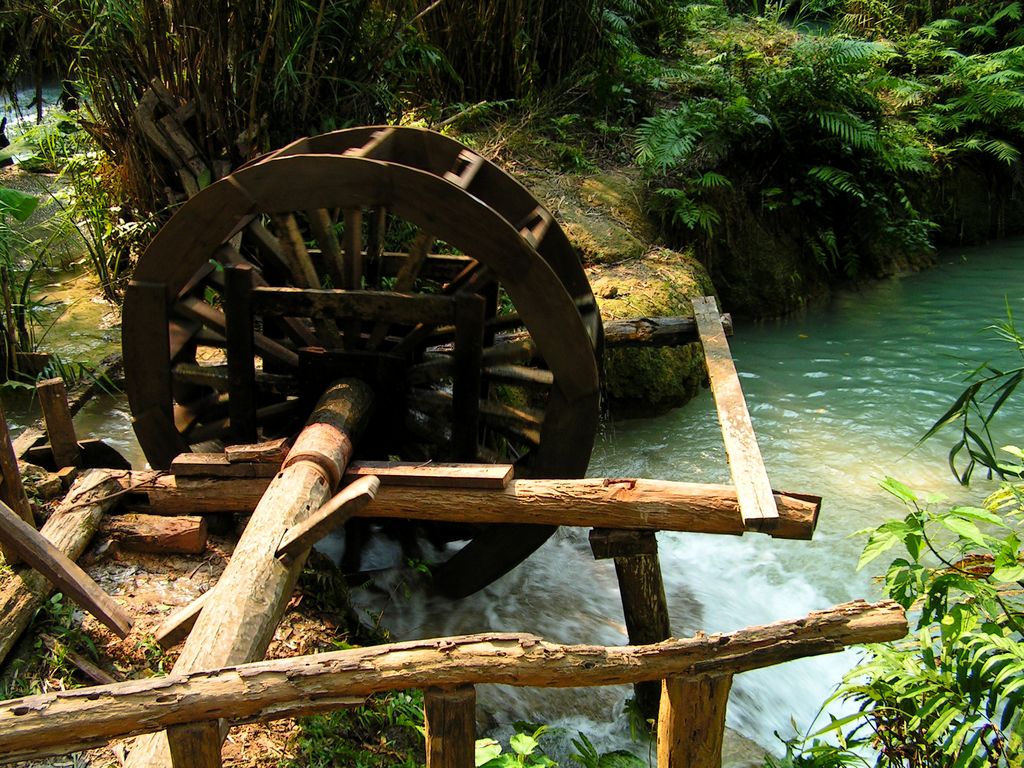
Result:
pixel 239 330
pixel 754 490
pixel 60 430
pixel 336 304
pixel 195 745
pixel 623 503
pixel 434 474
pixel 176 627
pixel 61 721
pixel 219 465
pixel 69 529
pixel 251 595
pixel 331 515
pixel 37 551
pixel 156 533
pixel 266 452
pixel 449 719
pixel 691 721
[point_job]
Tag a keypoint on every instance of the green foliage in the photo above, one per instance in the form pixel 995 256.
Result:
pixel 974 410
pixel 524 752
pixel 952 694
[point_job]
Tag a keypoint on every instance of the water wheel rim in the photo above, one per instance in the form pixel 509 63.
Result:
pixel 295 182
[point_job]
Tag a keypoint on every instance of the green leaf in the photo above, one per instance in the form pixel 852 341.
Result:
pixel 978 514
pixel 18 204
pixel 965 529
pixel 621 759
pixel 485 751
pixel 1013 573
pixel 899 490
pixel 522 744
pixel 880 541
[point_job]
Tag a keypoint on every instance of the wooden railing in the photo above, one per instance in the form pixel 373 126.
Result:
pixel 447 669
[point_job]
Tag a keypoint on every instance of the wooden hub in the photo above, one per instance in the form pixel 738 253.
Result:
pixel 392 255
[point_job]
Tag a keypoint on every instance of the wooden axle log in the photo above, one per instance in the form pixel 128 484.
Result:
pixel 623 503
pixel 69 529
pixel 244 609
pixel 59 722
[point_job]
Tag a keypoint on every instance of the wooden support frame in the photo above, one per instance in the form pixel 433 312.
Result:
pixel 642 590
pixel 333 514
pixel 691 721
pixel 754 490
pixel 241 350
pixel 469 341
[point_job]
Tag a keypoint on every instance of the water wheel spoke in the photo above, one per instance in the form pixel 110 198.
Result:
pixel 430 371
pixel 405 280
pixel 300 264
pixel 330 249
pixel 213 319
pixel 268 248
pixel 516 352
pixel 376 232
pixel 188 415
pixel 181 334
pixel 519 375
pixel 216 377
pixel 353 278
pixel 467 384
pixel 220 428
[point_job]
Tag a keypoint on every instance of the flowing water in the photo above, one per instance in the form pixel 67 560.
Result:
pixel 839 397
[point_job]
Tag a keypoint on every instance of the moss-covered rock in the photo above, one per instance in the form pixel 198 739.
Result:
pixel 643 382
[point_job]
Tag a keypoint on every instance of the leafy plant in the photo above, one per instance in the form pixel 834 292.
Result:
pixel 525 752
pixel 952 694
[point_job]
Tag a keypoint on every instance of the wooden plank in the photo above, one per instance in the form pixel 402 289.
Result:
pixel 36 550
pixel 195 745
pixel 449 720
pixel 431 474
pixel 12 491
pixel 176 627
pixel 333 514
pixel 218 465
pixel 691 721
pixel 61 721
pixel 373 306
pixel 757 502
pixel 60 430
pixel 69 529
pixel 266 452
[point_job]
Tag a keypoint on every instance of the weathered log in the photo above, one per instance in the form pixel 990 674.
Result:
pixel 62 721
pixel 442 475
pixel 691 721
pixel 156 533
pixel 240 617
pixel 626 503
pixel 38 552
pixel 655 331
pixel 757 502
pixel 69 529
pixel 449 719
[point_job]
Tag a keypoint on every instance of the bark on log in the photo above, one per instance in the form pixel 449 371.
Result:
pixel 623 503
pixel 157 533
pixel 58 722
pixel 239 619
pixel 69 529
pixel 655 331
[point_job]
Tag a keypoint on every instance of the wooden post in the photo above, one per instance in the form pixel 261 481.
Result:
pixel 450 720
pixel 240 350
pixel 642 591
pixel 12 492
pixel 691 721
pixel 469 338
pixel 53 399
pixel 246 605
pixel 195 745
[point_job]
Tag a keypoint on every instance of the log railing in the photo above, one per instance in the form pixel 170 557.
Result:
pixel 447 668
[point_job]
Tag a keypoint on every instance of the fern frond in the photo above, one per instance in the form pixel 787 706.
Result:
pixel 837 180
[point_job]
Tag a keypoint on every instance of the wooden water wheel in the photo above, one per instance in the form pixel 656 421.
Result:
pixel 395 255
